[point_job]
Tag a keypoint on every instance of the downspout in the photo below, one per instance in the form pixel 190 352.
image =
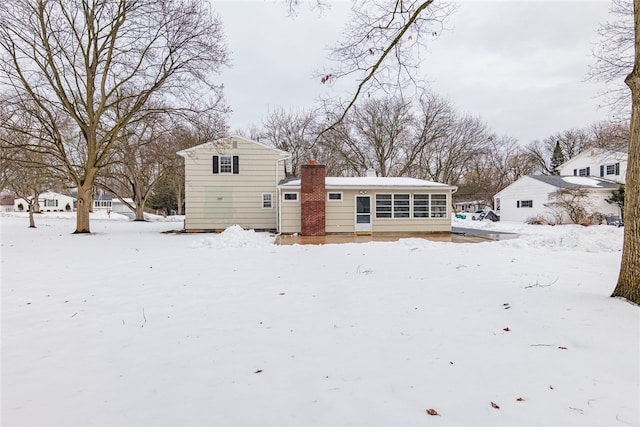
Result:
pixel 277 193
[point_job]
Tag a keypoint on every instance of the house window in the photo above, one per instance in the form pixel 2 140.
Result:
pixel 383 205
pixel 420 205
pixel 438 206
pixel 290 197
pixel 524 203
pixel 50 202
pixel 584 172
pixel 267 200
pixel 334 197
pixel 401 206
pixel 613 169
pixel 392 205
pixel 226 164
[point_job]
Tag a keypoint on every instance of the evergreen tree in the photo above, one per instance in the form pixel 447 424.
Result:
pixel 557 158
pixel 617 198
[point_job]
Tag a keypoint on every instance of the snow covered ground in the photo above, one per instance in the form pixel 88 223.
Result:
pixel 129 326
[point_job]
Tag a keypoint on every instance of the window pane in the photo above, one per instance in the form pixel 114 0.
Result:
pixel 266 200
pixel 291 196
pixel 401 206
pixel 226 164
pixel 363 219
pixel 438 205
pixel 335 196
pixel 383 206
pixel 363 205
pixel 420 205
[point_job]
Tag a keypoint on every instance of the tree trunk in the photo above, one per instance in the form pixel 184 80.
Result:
pixel 629 279
pixel 32 222
pixel 85 202
pixel 180 202
pixel 139 212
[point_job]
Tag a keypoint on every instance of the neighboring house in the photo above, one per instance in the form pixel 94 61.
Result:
pixel 6 202
pixel 316 205
pixel 49 202
pixel 598 162
pixel 238 181
pixel 469 205
pixel 232 181
pixel 103 202
pixel 526 198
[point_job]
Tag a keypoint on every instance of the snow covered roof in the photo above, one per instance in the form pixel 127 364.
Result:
pixel 370 182
pixel 576 181
pixel 217 142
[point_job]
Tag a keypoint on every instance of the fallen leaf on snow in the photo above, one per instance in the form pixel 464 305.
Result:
pixel 493 405
pixel 258 371
pixel 432 412
pixel 520 399
pixel 562 348
pixel 506 329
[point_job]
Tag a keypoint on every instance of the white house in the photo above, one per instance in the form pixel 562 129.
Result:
pixel 49 202
pixel 598 162
pixel 527 197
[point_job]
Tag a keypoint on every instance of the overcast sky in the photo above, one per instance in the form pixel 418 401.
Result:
pixel 519 65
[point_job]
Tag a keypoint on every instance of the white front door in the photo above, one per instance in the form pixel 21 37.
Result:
pixel 363 214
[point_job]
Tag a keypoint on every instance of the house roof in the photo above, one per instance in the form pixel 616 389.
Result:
pixel 229 138
pixel 370 182
pixel 590 182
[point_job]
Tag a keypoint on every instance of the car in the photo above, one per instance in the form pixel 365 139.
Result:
pixel 478 215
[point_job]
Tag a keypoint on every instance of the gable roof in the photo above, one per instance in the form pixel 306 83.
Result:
pixel 619 153
pixel 370 182
pixel 228 139
pixel 587 182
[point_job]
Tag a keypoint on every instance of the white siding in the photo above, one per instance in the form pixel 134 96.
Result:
pixel 594 159
pixel 217 201
pixel 526 188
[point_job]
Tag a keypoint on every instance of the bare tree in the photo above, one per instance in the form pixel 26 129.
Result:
pixel 136 163
pixel 503 162
pixel 612 135
pixel 614 57
pixel 448 157
pixel 628 285
pixel 293 132
pixel 382 47
pixel 80 61
pixel 377 134
pixel 569 202
pixel 571 141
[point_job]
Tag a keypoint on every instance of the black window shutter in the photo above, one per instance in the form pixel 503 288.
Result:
pixel 601 170
pixel 215 164
pixel 236 164
pixel 588 170
pixel 575 172
pixel 617 168
pixel 518 203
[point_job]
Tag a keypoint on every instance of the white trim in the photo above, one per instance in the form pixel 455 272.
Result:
pixel 362 227
pixel 270 201
pixel 296 200
pixel 329 199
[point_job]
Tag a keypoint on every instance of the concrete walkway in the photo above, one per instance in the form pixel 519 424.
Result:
pixel 457 235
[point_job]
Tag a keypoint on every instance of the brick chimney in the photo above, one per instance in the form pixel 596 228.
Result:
pixel 312 199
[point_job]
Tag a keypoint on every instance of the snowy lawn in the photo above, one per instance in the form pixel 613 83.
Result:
pixel 132 327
